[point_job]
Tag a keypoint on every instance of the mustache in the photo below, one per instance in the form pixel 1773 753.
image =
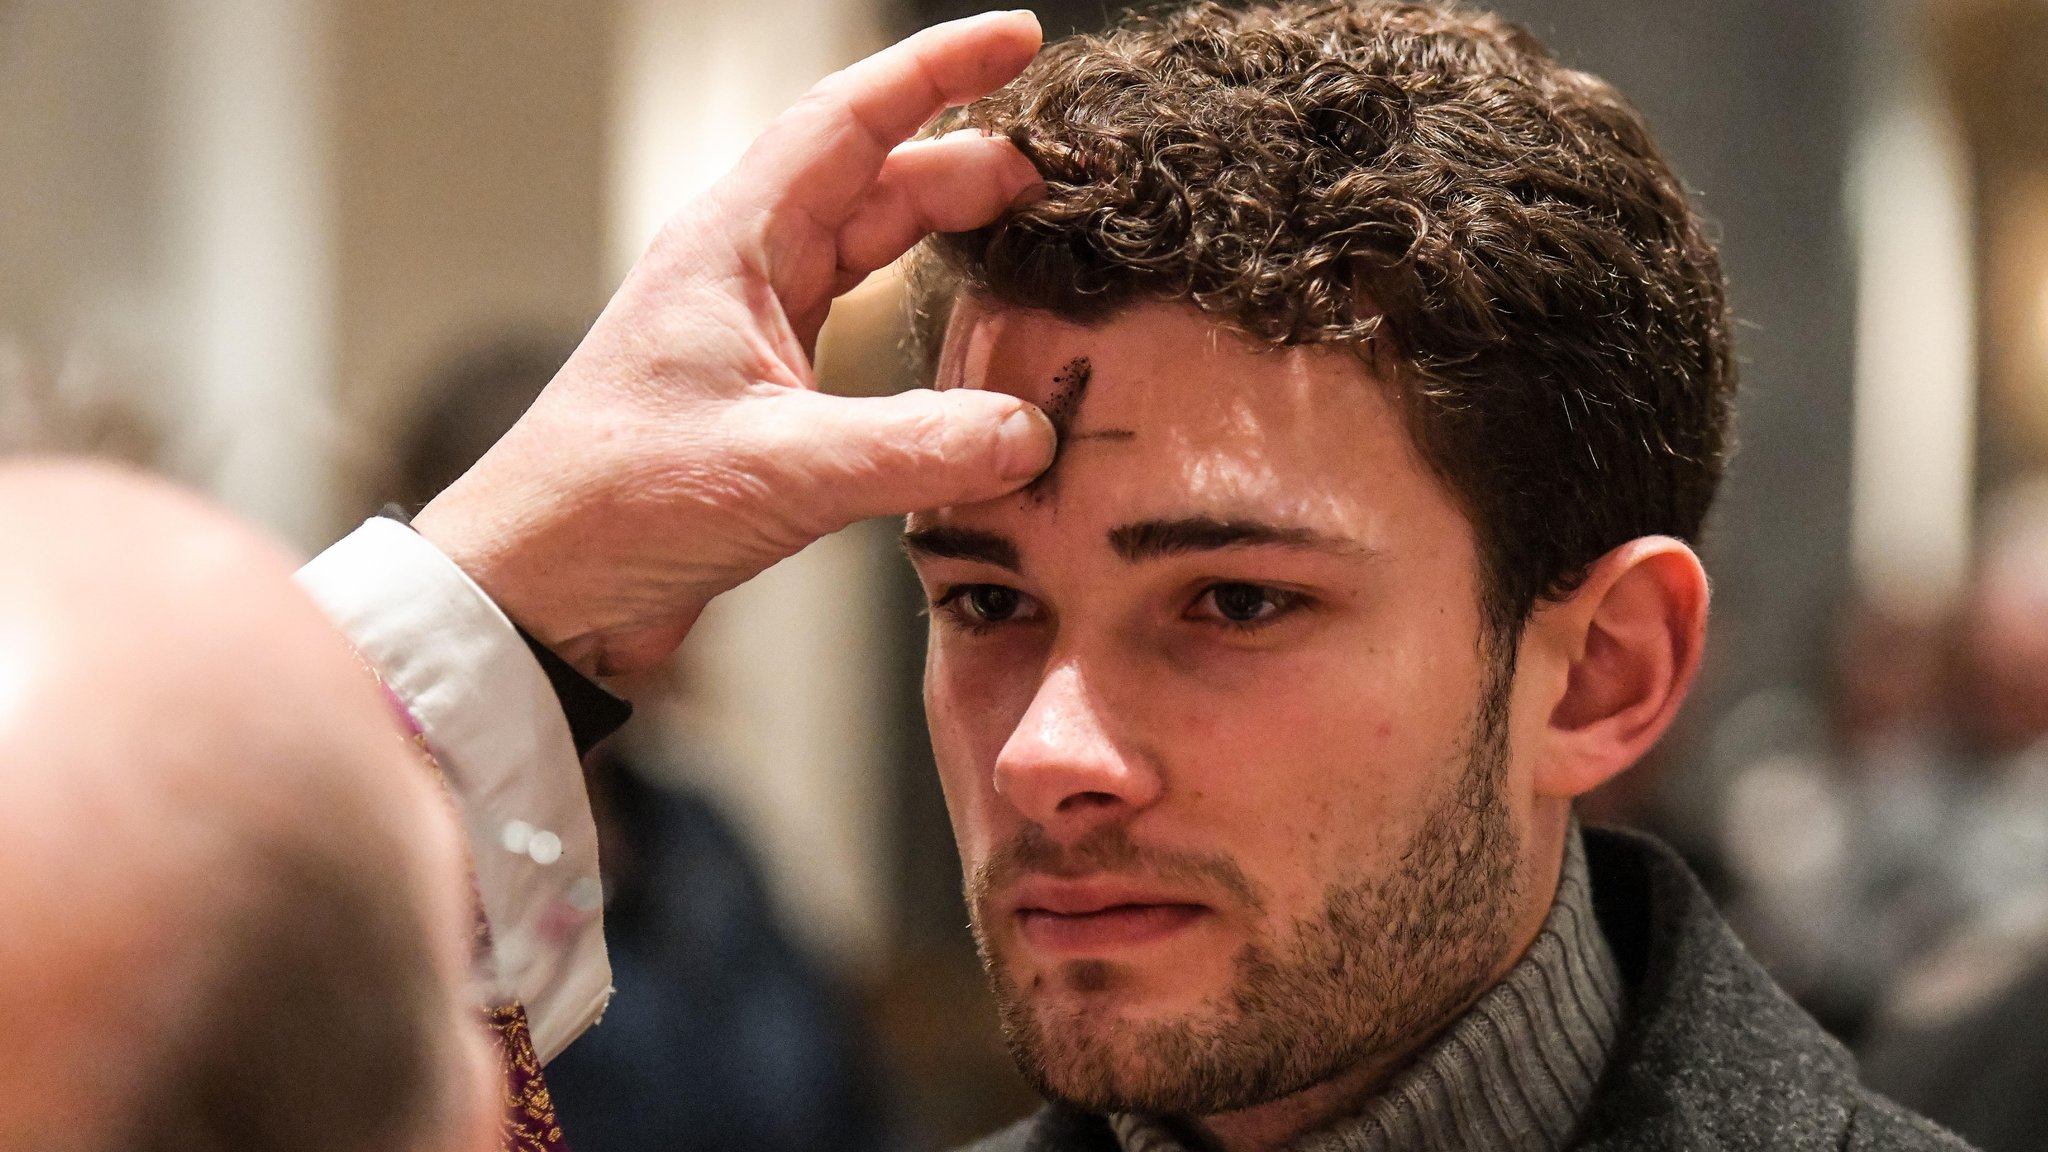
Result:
pixel 1108 849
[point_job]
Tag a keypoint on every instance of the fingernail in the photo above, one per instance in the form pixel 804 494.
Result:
pixel 1023 438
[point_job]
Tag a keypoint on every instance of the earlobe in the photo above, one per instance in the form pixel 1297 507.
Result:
pixel 1630 637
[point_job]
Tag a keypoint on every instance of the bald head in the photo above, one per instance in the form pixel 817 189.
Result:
pixel 233 902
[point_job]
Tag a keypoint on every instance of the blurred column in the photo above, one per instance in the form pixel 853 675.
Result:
pixel 698 79
pixel 245 149
pixel 790 669
pixel 80 261
pixel 265 223
pixel 164 227
pixel 1994 56
pixel 1915 429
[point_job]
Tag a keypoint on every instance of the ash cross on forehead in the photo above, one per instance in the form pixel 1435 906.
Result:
pixel 1063 408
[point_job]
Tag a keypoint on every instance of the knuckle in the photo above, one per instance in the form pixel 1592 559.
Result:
pixel 933 437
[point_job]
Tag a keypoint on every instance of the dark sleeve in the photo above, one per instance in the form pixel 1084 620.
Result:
pixel 593 711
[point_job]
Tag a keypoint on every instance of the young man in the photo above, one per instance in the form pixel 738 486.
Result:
pixel 1388 372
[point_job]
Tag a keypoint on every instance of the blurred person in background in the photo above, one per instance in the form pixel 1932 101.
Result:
pixel 72 411
pixel 1962 1032
pixel 1892 866
pixel 722 1036
pixel 1363 437
pixel 2000 707
pixel 235 907
pixel 1832 827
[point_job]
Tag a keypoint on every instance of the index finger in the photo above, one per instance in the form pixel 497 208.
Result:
pixel 821 156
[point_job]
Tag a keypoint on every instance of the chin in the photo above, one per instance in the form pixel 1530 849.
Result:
pixel 1116 1035
pixel 1157 1063
pixel 1082 1055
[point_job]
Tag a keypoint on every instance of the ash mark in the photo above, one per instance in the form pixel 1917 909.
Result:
pixel 1069 388
pixel 1063 409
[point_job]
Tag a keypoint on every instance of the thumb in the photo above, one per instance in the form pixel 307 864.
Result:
pixel 891 455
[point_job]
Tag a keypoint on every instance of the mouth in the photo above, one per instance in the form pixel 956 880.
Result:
pixel 1084 918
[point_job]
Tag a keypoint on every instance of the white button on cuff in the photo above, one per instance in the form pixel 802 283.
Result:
pixel 516 836
pixel 545 847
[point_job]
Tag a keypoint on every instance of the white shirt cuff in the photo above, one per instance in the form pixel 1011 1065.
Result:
pixel 493 722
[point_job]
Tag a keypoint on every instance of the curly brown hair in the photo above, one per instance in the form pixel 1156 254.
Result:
pixel 1496 233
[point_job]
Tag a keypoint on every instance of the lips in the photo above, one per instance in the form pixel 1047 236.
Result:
pixel 1091 917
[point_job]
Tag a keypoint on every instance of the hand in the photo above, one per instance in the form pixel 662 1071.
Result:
pixel 685 447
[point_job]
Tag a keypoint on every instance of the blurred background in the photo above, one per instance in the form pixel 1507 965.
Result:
pixel 311 256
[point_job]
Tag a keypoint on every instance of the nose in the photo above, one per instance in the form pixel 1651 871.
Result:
pixel 1062 769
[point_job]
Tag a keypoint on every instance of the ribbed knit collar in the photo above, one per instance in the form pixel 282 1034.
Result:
pixel 1516 1071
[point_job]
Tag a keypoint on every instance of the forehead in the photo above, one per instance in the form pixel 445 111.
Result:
pixel 1166 413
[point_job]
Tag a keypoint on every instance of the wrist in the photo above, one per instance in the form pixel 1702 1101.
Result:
pixel 552 584
pixel 487 552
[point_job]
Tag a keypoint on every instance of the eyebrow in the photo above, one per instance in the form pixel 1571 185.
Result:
pixel 1153 539
pixel 962 544
pixel 1143 540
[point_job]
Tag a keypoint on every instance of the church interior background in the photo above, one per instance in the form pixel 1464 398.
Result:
pixel 246 242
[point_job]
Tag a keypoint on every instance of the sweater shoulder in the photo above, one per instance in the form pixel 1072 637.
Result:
pixel 1715 1054
pixel 1878 1125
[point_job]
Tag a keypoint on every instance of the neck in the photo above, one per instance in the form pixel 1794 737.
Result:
pixel 1278 1124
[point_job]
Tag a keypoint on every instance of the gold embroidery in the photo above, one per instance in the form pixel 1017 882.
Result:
pixel 529 1111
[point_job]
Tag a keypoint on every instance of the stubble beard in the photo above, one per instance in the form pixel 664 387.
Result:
pixel 1387 963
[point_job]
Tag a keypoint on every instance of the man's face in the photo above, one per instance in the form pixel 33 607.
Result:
pixel 1226 751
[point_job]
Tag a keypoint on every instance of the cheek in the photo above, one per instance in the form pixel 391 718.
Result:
pixel 973 700
pixel 1340 754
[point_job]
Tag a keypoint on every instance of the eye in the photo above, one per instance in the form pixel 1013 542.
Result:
pixel 991 603
pixel 1244 605
pixel 980 605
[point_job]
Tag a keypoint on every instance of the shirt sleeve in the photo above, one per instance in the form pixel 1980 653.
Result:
pixel 494 722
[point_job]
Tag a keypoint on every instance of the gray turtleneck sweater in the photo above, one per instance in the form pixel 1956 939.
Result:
pixel 1516 1071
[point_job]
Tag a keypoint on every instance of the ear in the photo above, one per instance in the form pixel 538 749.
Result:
pixel 1614 660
